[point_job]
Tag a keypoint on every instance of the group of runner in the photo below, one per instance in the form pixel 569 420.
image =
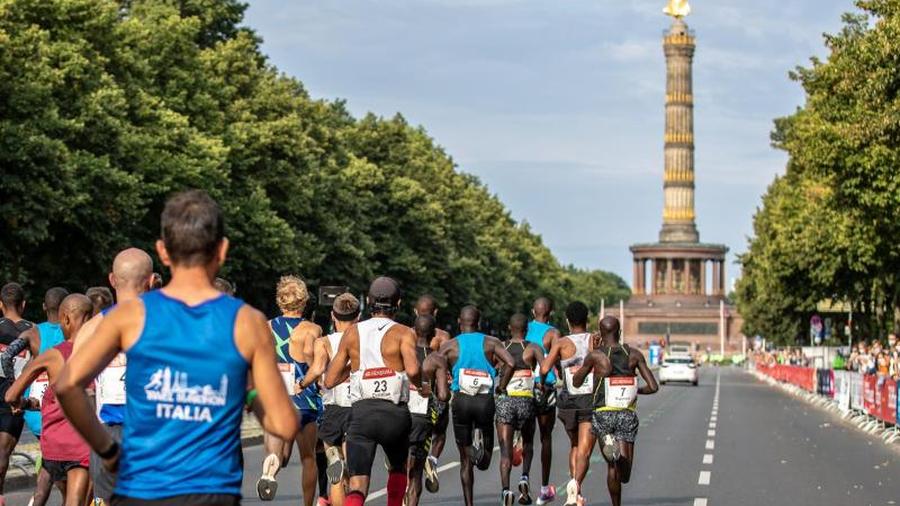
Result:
pixel 168 431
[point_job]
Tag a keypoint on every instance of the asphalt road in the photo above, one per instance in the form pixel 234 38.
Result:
pixel 743 443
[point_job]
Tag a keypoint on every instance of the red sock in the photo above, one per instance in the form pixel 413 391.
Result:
pixel 354 498
pixel 396 488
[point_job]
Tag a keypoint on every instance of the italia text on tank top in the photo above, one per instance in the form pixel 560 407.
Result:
pixel 472 373
pixel 522 382
pixel 619 358
pixel 535 334
pixel 185 389
pixel 374 379
pixel 51 335
pixel 339 395
pixel 110 388
pixel 418 404
pixel 571 365
pixel 59 441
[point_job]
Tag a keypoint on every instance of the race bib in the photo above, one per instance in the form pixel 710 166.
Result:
pixel 418 405
pixel 38 387
pixel 342 395
pixel 586 388
pixel 521 384
pixel 287 375
pixel 111 386
pixel 19 361
pixel 474 382
pixel 621 391
pixel 383 383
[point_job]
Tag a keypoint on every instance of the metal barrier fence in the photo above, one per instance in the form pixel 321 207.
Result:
pixel 868 399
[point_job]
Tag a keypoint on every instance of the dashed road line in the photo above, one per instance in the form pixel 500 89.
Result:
pixel 700 501
pixel 708 458
pixel 704 478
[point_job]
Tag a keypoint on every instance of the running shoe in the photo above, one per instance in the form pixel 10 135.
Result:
pixel 572 493
pixel 507 498
pixel 335 469
pixel 266 486
pixel 524 491
pixel 478 449
pixel 610 449
pixel 431 474
pixel 323 502
pixel 518 452
pixel 548 494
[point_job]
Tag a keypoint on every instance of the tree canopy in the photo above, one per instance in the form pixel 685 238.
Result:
pixel 108 107
pixel 827 228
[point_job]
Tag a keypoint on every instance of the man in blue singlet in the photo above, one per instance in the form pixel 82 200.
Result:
pixel 294 338
pixel 474 360
pixel 131 276
pixel 190 351
pixel 541 333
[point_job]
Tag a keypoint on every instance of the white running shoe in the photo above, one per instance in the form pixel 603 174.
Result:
pixel 266 486
pixel 431 474
pixel 507 498
pixel 335 469
pixel 571 492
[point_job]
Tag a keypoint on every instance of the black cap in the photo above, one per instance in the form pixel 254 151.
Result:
pixel 384 291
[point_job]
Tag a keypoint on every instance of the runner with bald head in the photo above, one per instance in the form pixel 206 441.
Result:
pixel 426 305
pixel 615 423
pixel 131 276
pixel 65 454
pixel 475 360
pixel 541 333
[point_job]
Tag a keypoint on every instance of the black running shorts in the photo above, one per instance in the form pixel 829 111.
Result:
pixel 440 415
pixel 623 425
pixel 574 410
pixel 180 500
pixel 420 430
pixel 375 422
pixel 59 469
pixel 104 481
pixel 11 424
pixel 472 412
pixel 335 424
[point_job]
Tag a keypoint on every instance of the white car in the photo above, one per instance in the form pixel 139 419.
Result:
pixel 678 368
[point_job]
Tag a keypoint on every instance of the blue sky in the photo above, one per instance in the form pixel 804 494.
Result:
pixel 557 105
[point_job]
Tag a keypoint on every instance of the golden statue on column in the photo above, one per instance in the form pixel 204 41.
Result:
pixel 677 8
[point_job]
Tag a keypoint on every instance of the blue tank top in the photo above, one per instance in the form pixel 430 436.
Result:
pixel 51 335
pixel 185 391
pixel 471 356
pixel 536 332
pixel 282 326
pixel 111 414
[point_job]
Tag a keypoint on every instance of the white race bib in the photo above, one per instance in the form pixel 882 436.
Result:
pixel 111 386
pixel 383 383
pixel 521 384
pixel 586 388
pixel 418 405
pixel 474 382
pixel 38 387
pixel 287 375
pixel 620 391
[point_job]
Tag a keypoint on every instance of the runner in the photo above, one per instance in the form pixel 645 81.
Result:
pixel 615 421
pixel 336 420
pixel 190 351
pixel 295 338
pixel 474 359
pixel 382 356
pixel 422 401
pixel 224 286
pixel 541 333
pixel 37 340
pixel 575 404
pixel 65 455
pixel 131 276
pixel 426 305
pixel 515 411
pixel 12 304
pixel 101 298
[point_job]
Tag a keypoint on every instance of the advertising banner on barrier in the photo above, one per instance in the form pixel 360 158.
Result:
pixel 842 389
pixel 889 401
pixel 856 390
pixel 869 388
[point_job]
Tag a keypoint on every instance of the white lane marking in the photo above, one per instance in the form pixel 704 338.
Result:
pixel 708 458
pixel 710 433
pixel 710 444
pixel 704 478
pixel 700 501
pixel 446 467
pixel 713 418
pixel 712 425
